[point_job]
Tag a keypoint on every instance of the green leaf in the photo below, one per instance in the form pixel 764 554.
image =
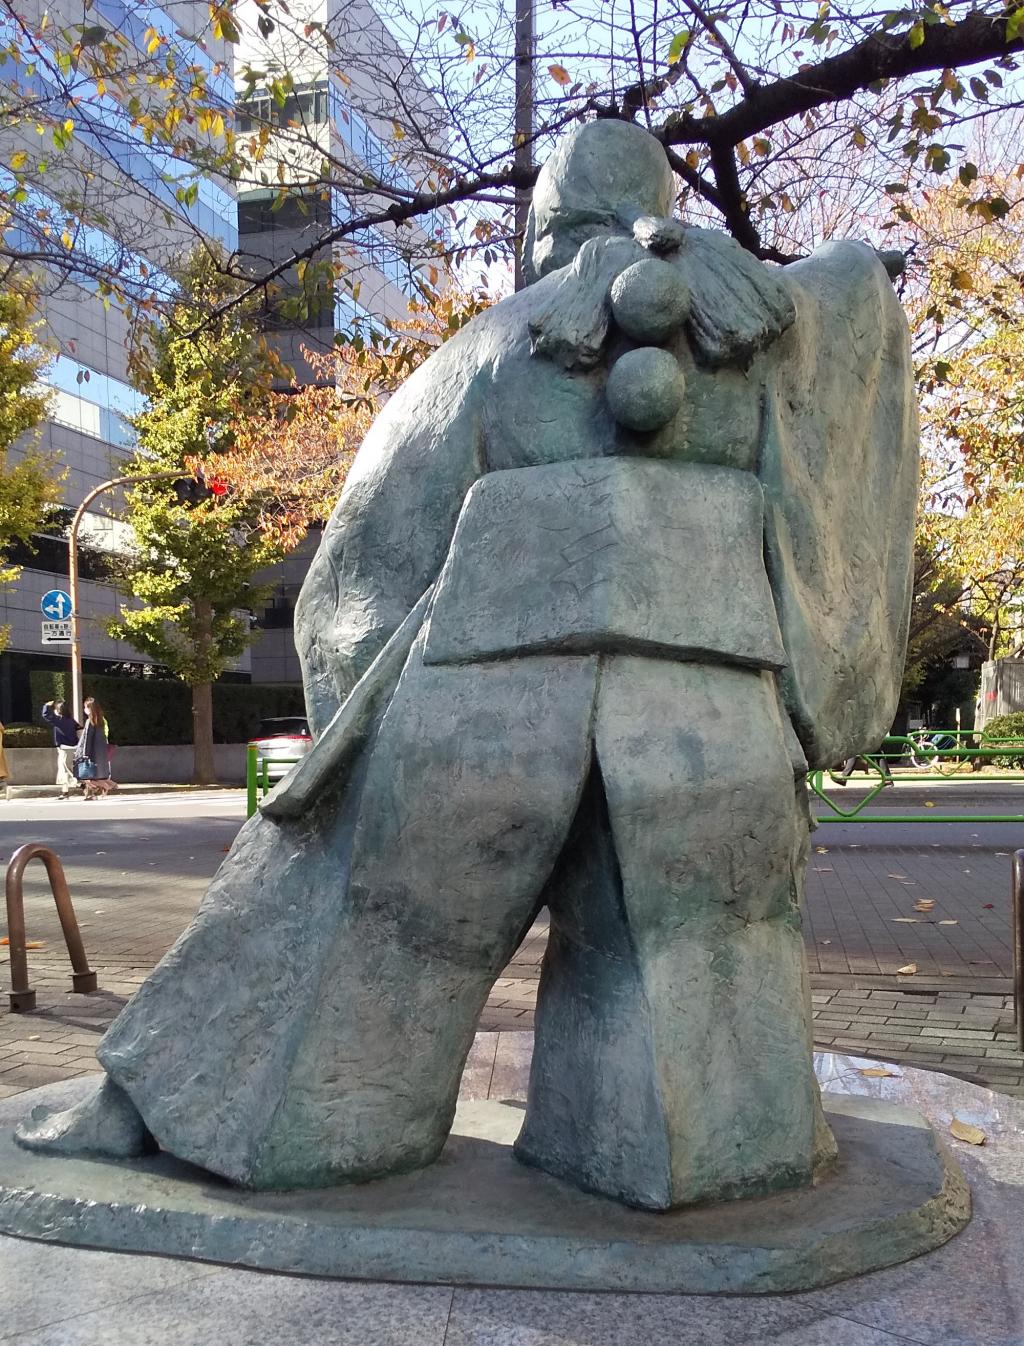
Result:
pixel 916 35
pixel 678 45
pixel 93 35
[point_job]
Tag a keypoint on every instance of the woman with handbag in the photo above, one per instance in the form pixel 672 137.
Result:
pixel 92 756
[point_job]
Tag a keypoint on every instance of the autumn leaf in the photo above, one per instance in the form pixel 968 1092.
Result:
pixel 880 1073
pixel 949 923
pixel 924 904
pixel 560 75
pixel 907 970
pixel 971 1135
pixel 678 44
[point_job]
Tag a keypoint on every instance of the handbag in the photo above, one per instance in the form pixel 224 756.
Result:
pixel 84 766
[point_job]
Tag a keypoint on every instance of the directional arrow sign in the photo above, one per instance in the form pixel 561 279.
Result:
pixel 56 604
pixel 57 633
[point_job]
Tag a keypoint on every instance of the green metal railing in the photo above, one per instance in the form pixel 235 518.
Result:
pixel 963 753
pixel 257 776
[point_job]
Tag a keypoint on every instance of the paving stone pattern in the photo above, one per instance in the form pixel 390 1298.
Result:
pixel 136 885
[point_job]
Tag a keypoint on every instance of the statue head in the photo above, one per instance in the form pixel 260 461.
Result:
pixel 599 180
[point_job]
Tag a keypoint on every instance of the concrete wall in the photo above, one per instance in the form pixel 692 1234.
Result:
pixel 167 765
pixel 1002 689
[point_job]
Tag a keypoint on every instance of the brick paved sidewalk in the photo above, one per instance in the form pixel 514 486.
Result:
pixel 970 1036
pixel 136 890
pixel 865 881
pixel 954 1031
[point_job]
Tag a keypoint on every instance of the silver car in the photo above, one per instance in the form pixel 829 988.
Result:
pixel 280 743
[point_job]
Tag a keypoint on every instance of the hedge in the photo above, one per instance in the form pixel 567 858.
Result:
pixel 28 736
pixel 159 711
pixel 1006 726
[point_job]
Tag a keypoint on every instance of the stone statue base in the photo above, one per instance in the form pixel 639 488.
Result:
pixel 479 1217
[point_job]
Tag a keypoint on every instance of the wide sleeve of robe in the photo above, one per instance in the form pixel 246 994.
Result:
pixel 840 470
pixel 205 1050
pixel 389 533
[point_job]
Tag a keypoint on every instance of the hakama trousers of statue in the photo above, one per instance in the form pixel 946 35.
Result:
pixel 655 806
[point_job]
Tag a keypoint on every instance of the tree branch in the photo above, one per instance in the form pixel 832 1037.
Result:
pixel 747 84
pixel 881 56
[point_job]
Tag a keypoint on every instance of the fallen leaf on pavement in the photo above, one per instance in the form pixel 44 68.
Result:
pixel 821 850
pixel 973 1135
pixel 5 941
pixel 907 970
pixel 35 944
pixel 989 906
pixel 949 923
pixel 929 804
pixel 904 920
pixel 880 1073
pixel 824 941
pixel 924 904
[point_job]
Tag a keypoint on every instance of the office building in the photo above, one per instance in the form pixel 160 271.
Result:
pixel 132 187
pixel 341 107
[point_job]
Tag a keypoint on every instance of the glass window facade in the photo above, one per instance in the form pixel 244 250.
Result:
pixel 105 126
pixel 355 132
pixel 133 20
pixel 93 403
pixel 304 106
pixel 372 245
pixel 135 273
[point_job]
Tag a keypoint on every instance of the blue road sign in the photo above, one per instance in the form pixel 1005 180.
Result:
pixel 56 604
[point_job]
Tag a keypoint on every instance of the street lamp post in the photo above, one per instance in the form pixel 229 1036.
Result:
pixel 524 119
pixel 76 643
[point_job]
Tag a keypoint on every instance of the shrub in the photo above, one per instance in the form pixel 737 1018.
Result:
pixel 159 710
pixel 27 736
pixel 1006 726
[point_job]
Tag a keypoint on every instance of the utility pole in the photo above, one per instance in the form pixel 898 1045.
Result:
pixel 523 157
pixel 76 641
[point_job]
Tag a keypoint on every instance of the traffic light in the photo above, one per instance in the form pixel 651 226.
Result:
pixel 194 490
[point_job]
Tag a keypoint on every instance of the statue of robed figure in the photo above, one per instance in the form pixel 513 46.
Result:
pixel 616 566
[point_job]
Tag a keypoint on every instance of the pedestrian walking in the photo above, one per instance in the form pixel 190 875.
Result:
pixel 5 772
pixel 65 739
pixel 92 753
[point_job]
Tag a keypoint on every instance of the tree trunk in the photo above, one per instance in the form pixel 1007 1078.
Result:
pixel 203 770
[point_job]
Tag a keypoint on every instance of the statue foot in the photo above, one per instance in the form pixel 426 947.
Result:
pixel 105 1123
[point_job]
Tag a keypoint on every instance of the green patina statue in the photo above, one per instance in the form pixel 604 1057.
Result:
pixel 614 567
